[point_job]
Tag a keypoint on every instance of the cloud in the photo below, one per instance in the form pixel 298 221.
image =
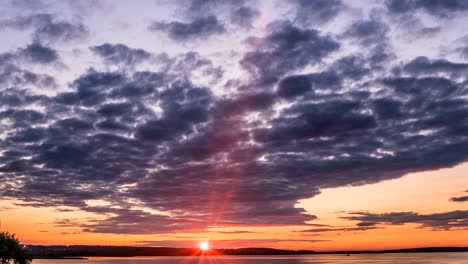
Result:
pixel 285 48
pixel 240 13
pixel 12 63
pixel 460 198
pixel 162 157
pixel 440 86
pixel 120 54
pixel 34 53
pixel 47 28
pixel 319 11
pixel 423 65
pixel 340 229
pixel 299 84
pixel 352 67
pixel 436 221
pixel 370 31
pixel 170 152
pixel 38 53
pixel 294 85
pixel 191 64
pixel 200 8
pixel 244 16
pixel 236 232
pixel 438 8
pixel 199 28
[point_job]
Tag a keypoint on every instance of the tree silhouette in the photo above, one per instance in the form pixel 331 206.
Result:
pixel 11 251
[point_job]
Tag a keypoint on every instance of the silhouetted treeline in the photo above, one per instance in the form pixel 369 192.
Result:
pixel 127 251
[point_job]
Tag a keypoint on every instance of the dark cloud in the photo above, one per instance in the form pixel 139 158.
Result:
pixel 372 34
pixel 34 53
pixel 18 98
pixel 48 28
pixel 460 198
pixel 198 28
pixel 244 16
pixel 311 120
pixel 294 85
pixel 285 48
pixel 236 232
pixel 318 11
pixel 435 86
pixel 175 147
pixel 436 221
pixel 412 26
pixel 191 63
pixel 120 54
pixel 387 108
pixel 423 65
pixel 300 84
pixel 29 135
pixel 352 67
pixel 200 8
pixel 241 13
pixel 38 53
pixel 367 32
pixel 439 8
pixel 12 75
pixel 429 31
pixel 339 229
pixel 123 222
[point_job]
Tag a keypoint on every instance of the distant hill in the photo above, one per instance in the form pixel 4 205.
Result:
pixel 404 250
pixel 128 251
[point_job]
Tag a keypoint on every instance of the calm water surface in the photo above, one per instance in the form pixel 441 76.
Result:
pixel 419 258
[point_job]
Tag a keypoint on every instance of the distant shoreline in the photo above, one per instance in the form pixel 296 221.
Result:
pixel 81 252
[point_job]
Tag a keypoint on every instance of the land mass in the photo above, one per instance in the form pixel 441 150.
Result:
pixel 128 251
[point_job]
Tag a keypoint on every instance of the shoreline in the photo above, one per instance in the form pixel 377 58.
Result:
pixel 84 252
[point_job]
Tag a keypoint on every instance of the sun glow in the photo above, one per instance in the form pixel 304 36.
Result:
pixel 204 245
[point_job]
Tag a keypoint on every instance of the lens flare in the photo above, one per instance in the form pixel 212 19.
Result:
pixel 204 245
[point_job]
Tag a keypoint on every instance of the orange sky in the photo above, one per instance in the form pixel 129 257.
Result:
pixel 424 192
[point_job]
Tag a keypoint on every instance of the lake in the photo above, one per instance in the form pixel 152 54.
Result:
pixel 403 258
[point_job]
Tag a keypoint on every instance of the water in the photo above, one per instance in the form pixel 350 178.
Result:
pixel 406 258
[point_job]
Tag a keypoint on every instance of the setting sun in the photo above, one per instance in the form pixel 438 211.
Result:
pixel 204 245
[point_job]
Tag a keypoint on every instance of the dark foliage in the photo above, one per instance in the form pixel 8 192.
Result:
pixel 11 251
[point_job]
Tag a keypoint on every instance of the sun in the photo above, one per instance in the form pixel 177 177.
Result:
pixel 204 245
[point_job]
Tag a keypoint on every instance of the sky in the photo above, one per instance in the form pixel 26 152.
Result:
pixel 302 124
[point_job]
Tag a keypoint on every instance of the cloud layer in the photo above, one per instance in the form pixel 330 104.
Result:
pixel 169 153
